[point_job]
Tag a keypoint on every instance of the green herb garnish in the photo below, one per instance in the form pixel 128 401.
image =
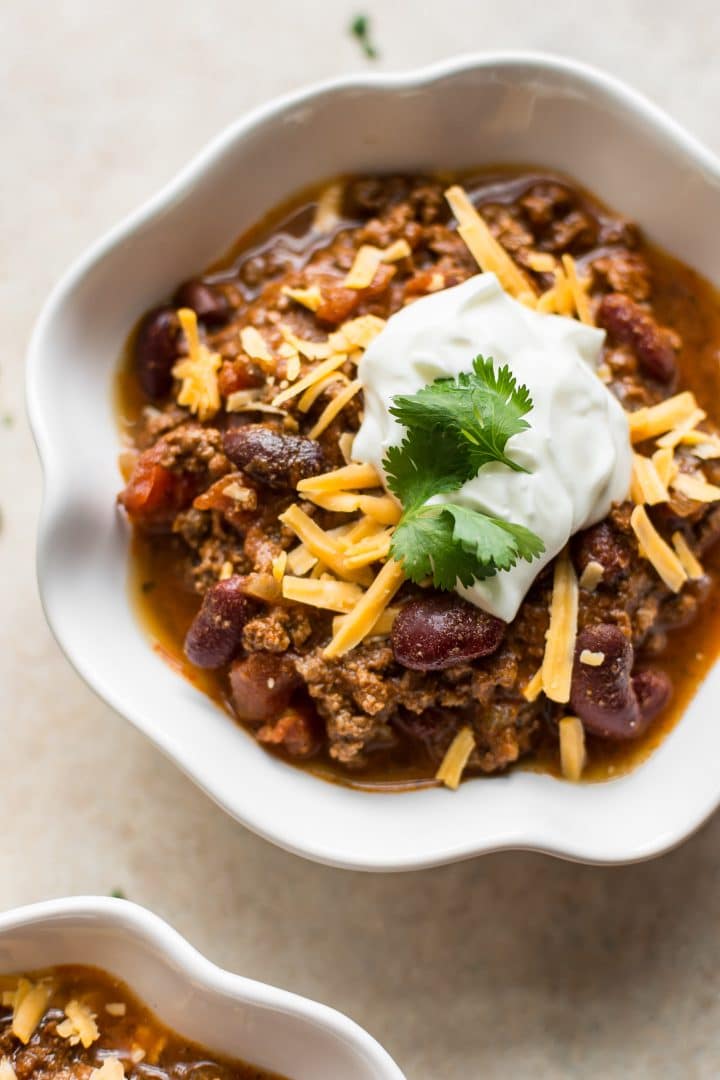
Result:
pixel 454 428
pixel 360 29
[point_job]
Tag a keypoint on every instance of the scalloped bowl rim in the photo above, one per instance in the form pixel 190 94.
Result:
pixel 533 832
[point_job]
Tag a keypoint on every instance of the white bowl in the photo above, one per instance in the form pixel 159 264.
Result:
pixel 496 108
pixel 225 1013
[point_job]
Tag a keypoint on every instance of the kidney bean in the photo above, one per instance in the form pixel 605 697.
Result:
pixel 629 324
pixel 207 301
pixel 610 701
pixel 653 690
pixel 603 544
pixel 277 460
pixel 261 685
pixel 157 347
pixel 440 630
pixel 294 731
pixel 215 634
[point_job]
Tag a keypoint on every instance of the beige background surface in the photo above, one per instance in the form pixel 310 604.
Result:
pixel 512 966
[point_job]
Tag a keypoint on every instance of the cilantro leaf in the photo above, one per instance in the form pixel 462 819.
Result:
pixel 484 407
pixel 423 466
pixel 491 540
pixel 451 543
pixel 424 544
pixel 454 427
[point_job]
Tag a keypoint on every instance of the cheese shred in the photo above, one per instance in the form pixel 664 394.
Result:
pixel 367 611
pixel 572 747
pixel 197 371
pixel 653 420
pixel 323 369
pixel 326 593
pixel 690 564
pixel 560 639
pixel 656 551
pixel 334 408
pixel 364 268
pixel 646 485
pixel 485 249
pixel 456 758
pixel 347 478
pixel 578 290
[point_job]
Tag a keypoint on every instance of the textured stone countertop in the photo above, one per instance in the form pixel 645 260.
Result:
pixel 510 966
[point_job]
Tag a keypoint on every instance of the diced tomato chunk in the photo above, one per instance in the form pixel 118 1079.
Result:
pixel 154 494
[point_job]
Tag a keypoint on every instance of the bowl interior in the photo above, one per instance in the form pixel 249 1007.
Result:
pixel 508 110
pixel 223 1012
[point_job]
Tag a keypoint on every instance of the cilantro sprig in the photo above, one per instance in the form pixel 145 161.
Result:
pixel 453 428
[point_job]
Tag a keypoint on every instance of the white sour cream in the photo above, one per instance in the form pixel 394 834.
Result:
pixel 577 448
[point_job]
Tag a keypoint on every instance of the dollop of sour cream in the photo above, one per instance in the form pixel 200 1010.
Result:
pixel 576 450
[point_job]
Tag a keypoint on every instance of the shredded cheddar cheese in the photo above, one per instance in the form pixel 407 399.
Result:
pixel 7 1072
pixel 368 551
pixel 541 262
pixel 313 392
pixel 331 595
pixel 690 564
pixel 487 252
pixel 646 486
pixel 456 758
pixel 116 1008
pixel 592 659
pixel 675 436
pixel 334 408
pixel 656 551
pixel 382 508
pixel 79 1025
pixel 665 465
pixel 367 611
pixel 111 1069
pixel 300 560
pixel 696 488
pixel 399 249
pixel 572 747
pixel 255 345
pixel 319 372
pixel 311 298
pixel 29 1002
pixel 327 211
pixel 578 290
pixel 705 450
pixel 654 420
pixel 382 627
pixel 356 333
pixel 319 543
pixel 560 639
pixel 311 350
pixel 364 268
pixel 349 477
pixel 345 442
pixel 592 575
pixel 279 566
pixel 533 689
pixel 197 371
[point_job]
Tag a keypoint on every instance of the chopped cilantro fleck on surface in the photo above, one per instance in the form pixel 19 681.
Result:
pixel 360 30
